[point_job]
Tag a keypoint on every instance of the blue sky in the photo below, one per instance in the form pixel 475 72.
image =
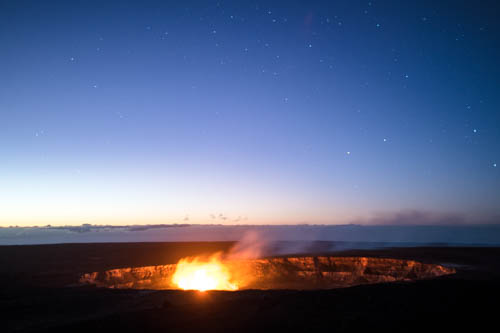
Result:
pixel 252 112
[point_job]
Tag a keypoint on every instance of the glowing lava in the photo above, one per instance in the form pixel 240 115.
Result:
pixel 194 274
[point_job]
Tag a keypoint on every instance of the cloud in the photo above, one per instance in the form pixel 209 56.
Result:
pixel 413 218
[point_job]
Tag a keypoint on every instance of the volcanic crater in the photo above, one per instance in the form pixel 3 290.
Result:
pixel 299 272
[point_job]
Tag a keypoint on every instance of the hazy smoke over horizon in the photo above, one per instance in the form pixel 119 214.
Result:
pixel 403 228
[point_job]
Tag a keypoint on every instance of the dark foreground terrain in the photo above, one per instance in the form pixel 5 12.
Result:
pixel 39 292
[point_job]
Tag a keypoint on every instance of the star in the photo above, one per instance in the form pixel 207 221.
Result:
pixel 494 165
pixel 348 153
pixel 474 130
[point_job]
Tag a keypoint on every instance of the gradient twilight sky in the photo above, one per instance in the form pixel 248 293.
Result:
pixel 248 112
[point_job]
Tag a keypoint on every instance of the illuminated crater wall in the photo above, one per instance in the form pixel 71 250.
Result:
pixel 281 273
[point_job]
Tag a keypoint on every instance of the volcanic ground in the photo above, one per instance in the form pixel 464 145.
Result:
pixel 67 287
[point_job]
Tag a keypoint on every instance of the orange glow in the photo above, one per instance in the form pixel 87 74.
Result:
pixel 196 274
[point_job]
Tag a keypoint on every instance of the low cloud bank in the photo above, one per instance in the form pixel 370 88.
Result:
pixel 388 235
pixel 418 218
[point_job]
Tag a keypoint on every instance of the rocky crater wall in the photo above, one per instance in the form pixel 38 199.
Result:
pixel 281 273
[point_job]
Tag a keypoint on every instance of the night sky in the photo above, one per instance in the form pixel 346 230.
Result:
pixel 244 112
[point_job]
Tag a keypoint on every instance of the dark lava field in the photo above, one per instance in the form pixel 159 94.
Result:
pixel 41 293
